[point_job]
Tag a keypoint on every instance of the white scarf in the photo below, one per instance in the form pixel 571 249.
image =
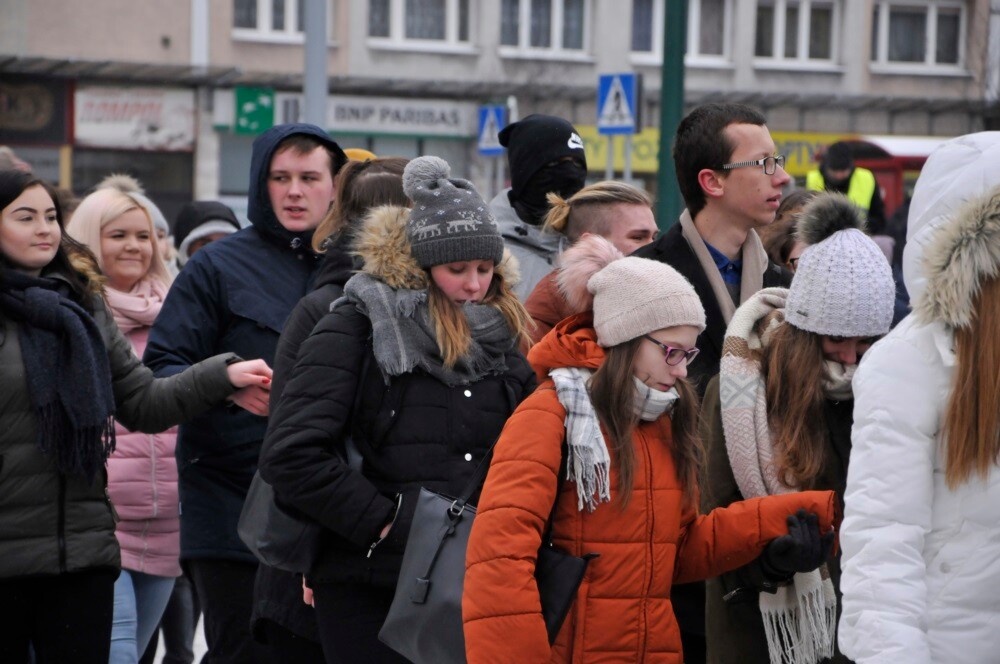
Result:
pixel 800 619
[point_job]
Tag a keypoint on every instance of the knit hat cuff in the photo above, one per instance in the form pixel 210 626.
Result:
pixel 873 325
pixel 671 311
pixel 453 250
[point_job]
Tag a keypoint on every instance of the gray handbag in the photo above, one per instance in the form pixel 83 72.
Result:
pixel 424 623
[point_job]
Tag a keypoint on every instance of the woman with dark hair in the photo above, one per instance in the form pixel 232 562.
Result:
pixel 615 410
pixel 281 619
pixel 777 420
pixel 418 365
pixel 66 375
pixel 780 240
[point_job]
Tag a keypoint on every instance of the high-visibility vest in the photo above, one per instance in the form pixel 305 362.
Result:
pixel 860 189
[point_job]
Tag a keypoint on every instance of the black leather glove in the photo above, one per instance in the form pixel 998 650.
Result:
pixel 803 549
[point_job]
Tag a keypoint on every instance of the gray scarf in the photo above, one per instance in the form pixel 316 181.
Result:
pixel 403 337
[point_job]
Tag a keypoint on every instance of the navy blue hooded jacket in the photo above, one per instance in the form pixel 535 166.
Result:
pixel 233 295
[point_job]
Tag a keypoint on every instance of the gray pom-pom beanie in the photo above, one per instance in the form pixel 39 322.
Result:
pixel 843 285
pixel 449 221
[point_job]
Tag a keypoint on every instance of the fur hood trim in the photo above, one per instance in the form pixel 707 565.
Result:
pixel 381 242
pixel 959 256
pixel 578 264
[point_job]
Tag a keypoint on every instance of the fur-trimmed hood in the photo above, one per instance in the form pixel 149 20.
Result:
pixel 958 256
pixel 382 244
pixel 953 230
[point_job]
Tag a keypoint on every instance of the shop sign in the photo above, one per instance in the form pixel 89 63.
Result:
pixel 32 111
pixel 135 118
pixel 388 115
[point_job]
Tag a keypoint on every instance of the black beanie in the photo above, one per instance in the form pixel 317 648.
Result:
pixel 535 141
pixel 838 157
pixel 194 214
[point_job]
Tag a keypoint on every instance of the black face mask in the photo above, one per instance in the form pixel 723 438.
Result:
pixel 564 178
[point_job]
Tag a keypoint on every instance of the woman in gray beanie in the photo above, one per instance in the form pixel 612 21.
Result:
pixel 778 420
pixel 417 365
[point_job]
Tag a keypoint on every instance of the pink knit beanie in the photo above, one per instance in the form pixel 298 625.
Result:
pixel 630 297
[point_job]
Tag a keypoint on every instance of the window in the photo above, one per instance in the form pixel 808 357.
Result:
pixel 273 20
pixel 434 22
pixel 709 26
pixel 925 33
pixel 797 30
pixel 545 25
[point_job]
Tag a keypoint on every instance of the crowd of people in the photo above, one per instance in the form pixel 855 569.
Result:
pixel 764 454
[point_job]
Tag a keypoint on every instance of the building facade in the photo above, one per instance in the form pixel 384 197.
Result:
pixel 176 91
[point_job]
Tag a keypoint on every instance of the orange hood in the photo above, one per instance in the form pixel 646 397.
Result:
pixel 571 343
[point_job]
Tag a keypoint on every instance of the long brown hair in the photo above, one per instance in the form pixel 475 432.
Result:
pixel 793 369
pixel 361 186
pixel 613 394
pixel 972 418
pixel 451 327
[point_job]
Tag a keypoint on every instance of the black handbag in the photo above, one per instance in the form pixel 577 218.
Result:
pixel 280 538
pixel 424 623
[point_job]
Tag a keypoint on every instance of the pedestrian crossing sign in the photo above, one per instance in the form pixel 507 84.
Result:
pixel 618 104
pixel 491 121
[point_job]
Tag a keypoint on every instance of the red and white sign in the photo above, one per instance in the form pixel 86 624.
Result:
pixel 135 118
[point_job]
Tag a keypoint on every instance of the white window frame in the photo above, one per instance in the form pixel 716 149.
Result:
pixel 556 51
pixel 880 62
pixel 693 57
pixel 290 35
pixel 398 41
pixel 801 60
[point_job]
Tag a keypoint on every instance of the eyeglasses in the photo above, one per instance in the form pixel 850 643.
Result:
pixel 675 356
pixel 770 164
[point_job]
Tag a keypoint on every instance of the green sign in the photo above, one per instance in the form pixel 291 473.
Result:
pixel 254 110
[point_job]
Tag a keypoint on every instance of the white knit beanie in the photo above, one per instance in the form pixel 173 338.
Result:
pixel 630 297
pixel 843 285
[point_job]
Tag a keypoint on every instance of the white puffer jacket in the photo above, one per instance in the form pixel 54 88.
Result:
pixel 921 562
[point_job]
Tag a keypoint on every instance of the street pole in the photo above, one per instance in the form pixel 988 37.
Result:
pixel 669 204
pixel 315 84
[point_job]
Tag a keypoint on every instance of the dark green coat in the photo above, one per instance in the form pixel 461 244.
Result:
pixel 51 523
pixel 735 630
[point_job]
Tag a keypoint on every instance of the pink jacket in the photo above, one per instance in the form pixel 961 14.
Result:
pixel 142 484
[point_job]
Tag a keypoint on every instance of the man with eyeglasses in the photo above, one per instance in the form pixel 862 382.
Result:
pixel 731 180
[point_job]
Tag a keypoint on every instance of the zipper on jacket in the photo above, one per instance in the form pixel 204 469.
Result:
pixel 111 505
pixel 61 525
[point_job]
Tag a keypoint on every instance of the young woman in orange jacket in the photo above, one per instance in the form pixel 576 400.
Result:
pixel 614 411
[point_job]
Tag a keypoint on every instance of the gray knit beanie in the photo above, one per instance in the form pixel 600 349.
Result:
pixel 843 285
pixel 449 221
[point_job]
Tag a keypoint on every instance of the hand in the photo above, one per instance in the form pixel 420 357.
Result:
pixel 307 594
pixel 250 372
pixel 254 399
pixel 803 549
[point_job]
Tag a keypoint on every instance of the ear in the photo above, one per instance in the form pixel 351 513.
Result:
pixel 711 182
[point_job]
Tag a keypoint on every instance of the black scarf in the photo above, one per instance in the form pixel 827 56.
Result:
pixel 67 372
pixel 529 198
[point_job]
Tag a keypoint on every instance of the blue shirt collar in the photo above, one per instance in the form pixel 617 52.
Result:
pixel 722 261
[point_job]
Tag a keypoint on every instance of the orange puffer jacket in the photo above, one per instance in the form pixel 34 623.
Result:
pixel 622 612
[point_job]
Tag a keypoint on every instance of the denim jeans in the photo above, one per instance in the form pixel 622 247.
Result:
pixel 139 602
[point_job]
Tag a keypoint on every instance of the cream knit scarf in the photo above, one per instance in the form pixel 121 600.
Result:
pixel 800 619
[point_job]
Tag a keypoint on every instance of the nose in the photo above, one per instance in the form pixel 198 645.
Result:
pixel 471 284
pixel 782 176
pixel 679 370
pixel 849 354
pixel 294 187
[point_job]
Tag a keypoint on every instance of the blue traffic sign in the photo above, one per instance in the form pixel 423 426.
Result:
pixel 618 102
pixel 491 120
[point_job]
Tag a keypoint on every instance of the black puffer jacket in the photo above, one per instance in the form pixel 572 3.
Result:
pixel 414 431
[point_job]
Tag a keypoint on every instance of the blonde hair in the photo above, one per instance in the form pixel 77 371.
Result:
pixel 451 328
pixel 576 215
pixel 972 420
pixel 101 208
